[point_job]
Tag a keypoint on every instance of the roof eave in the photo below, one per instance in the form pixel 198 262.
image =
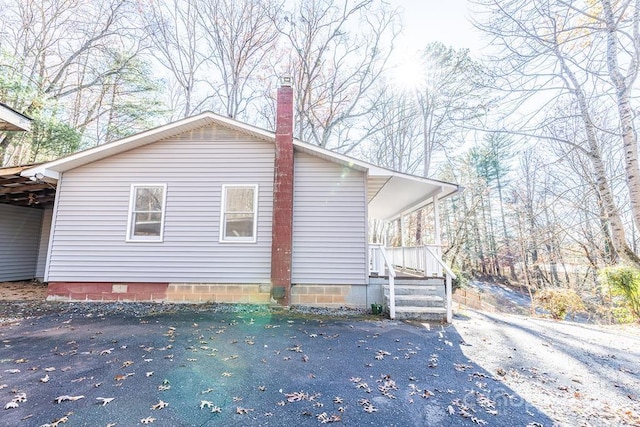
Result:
pixel 12 120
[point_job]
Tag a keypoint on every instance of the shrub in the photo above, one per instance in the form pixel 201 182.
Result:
pixel 462 279
pixel 622 281
pixel 559 302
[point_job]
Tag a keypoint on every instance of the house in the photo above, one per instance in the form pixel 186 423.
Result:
pixel 211 209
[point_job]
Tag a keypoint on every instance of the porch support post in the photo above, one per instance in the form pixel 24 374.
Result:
pixel 437 237
pixel 436 218
pixel 401 232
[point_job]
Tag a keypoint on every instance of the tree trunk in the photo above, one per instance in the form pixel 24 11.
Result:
pixel 617 229
pixel 625 110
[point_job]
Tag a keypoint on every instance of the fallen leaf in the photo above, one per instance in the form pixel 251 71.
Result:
pixel 296 396
pixel 105 400
pixel 147 420
pixel 11 405
pixel 370 408
pixel 160 405
pixel 45 379
pixel 65 398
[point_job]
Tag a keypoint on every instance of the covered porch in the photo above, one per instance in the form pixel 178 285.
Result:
pixel 414 280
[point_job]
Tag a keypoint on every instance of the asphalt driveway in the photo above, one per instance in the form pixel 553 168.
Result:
pixel 105 365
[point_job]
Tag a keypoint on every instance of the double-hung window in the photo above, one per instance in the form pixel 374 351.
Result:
pixel 238 213
pixel 146 213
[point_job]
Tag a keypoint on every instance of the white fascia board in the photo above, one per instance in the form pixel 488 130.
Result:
pixel 341 159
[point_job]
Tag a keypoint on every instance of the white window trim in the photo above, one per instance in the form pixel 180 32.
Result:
pixel 129 237
pixel 223 203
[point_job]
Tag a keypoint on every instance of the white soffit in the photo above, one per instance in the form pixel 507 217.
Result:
pixel 401 194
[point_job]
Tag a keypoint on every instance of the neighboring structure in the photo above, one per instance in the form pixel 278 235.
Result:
pixel 212 209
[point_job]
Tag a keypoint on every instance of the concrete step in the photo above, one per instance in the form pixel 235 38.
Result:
pixel 433 281
pixel 416 290
pixel 384 280
pixel 438 314
pixel 419 301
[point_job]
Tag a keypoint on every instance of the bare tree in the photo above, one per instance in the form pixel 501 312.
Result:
pixel 239 35
pixel 549 55
pixel 624 22
pixel 338 51
pixel 396 143
pixel 178 45
pixel 450 97
pixel 59 57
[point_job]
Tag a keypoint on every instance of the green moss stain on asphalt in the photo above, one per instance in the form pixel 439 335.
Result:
pixel 199 368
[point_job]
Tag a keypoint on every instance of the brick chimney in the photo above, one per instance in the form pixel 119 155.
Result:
pixel 282 226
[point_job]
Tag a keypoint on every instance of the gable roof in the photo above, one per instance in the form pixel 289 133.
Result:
pixel 11 120
pixel 389 193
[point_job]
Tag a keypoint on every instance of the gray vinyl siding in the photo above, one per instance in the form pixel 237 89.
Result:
pixel 43 247
pixel 19 239
pixel 329 223
pixel 93 207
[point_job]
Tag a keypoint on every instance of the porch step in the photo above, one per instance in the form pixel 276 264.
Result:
pixel 421 301
pixel 415 290
pixel 421 313
pixel 409 281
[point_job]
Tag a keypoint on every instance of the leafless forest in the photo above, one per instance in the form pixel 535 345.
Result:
pixel 540 128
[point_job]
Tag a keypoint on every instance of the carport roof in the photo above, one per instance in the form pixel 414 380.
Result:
pixel 389 193
pixel 11 120
pixel 19 190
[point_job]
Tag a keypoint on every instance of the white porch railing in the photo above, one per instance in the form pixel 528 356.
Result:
pixel 449 276
pixel 424 261
pixel 420 259
pixel 379 263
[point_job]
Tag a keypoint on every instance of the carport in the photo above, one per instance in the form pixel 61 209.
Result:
pixel 25 212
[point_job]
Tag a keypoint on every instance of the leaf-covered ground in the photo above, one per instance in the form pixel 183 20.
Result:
pixel 178 365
